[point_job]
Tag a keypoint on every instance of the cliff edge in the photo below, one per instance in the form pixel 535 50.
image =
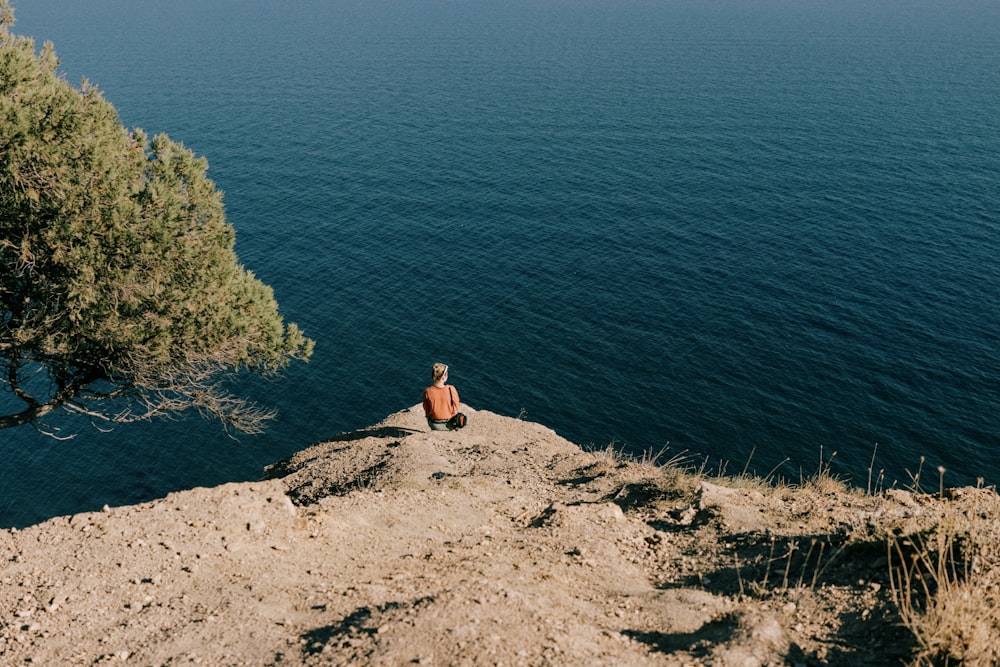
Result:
pixel 501 544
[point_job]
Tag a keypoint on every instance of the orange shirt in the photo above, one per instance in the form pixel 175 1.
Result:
pixel 441 402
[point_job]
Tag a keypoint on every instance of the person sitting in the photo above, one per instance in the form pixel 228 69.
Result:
pixel 440 400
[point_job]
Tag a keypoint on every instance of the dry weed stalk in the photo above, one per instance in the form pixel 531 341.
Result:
pixel 880 480
pixel 817 566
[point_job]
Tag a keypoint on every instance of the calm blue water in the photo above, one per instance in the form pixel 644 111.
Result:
pixel 752 229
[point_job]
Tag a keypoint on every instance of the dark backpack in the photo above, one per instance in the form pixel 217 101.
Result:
pixel 459 420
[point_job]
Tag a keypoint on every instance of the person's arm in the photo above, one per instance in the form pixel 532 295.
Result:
pixel 427 404
pixel 456 403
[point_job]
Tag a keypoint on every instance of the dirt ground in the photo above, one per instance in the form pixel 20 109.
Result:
pixel 501 544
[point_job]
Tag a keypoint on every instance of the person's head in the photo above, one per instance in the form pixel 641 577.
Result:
pixel 439 373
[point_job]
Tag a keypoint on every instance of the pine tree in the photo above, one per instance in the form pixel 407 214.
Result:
pixel 121 295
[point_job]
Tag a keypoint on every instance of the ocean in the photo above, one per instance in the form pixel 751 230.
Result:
pixel 756 234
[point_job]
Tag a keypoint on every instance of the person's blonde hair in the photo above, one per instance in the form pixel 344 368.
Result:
pixel 439 371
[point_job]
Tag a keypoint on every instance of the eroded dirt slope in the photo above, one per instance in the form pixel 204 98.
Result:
pixel 502 544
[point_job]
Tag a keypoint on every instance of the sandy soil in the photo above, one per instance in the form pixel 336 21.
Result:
pixel 502 544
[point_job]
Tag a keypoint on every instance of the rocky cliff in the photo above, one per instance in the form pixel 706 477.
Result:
pixel 501 544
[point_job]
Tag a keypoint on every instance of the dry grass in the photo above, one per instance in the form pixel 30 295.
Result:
pixel 944 573
pixel 945 579
pixel 670 471
pixel 959 626
pixel 946 584
pixel 827 484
